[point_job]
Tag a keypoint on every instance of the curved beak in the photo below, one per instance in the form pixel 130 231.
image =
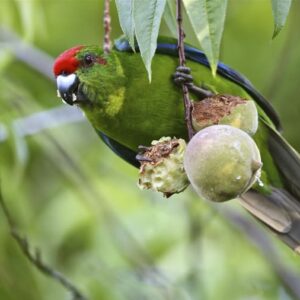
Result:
pixel 67 86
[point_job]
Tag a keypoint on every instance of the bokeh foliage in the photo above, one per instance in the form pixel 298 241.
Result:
pixel 80 204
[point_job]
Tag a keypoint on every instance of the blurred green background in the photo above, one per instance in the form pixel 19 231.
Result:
pixel 80 204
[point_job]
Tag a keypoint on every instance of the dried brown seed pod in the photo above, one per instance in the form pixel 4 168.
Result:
pixel 162 166
pixel 226 110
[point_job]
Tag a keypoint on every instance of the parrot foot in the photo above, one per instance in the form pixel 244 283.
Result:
pixel 183 76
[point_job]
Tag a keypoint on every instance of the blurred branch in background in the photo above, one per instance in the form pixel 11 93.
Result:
pixel 34 256
pixel 25 52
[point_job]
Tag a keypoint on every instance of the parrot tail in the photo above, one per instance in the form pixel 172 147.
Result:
pixel 280 210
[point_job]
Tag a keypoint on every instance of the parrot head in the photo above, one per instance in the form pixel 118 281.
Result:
pixel 81 73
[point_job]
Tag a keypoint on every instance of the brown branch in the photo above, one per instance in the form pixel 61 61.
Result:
pixel 34 256
pixel 107 27
pixel 181 54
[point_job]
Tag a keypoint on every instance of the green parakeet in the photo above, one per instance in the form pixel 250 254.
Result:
pixel 127 110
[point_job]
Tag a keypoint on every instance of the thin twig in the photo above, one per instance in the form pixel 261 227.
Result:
pixel 181 54
pixel 107 27
pixel 34 256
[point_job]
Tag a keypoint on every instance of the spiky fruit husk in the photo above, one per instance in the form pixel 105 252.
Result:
pixel 222 162
pixel 162 166
pixel 225 110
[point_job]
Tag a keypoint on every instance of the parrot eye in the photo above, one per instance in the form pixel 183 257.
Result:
pixel 88 59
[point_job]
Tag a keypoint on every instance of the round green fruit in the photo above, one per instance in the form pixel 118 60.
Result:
pixel 222 162
pixel 226 110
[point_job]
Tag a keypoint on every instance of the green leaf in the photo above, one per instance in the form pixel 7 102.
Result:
pixel 280 10
pixel 207 18
pixel 147 18
pixel 170 17
pixel 125 12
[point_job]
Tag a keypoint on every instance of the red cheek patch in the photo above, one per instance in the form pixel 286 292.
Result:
pixel 66 62
pixel 101 61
